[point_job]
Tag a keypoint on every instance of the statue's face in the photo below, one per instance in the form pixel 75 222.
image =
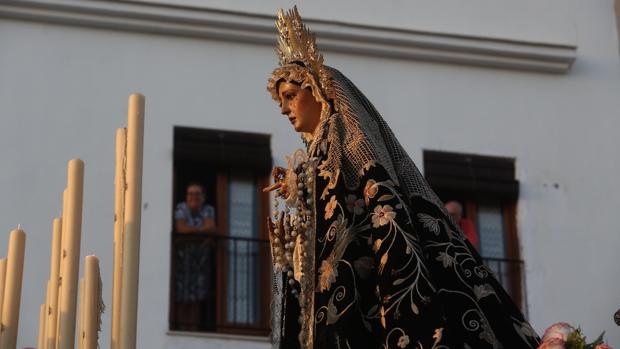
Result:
pixel 300 106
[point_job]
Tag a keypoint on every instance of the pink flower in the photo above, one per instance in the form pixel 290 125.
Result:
pixel 603 346
pixel 553 343
pixel 560 330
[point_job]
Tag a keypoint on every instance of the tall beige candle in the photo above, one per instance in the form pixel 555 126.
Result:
pixel 2 283
pixel 63 256
pixel 72 222
pixel 41 337
pixel 81 312
pixel 52 311
pixel 92 288
pixel 48 294
pixel 131 239
pixel 119 225
pixel 13 289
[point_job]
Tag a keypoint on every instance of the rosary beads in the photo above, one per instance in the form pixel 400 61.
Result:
pixel 295 224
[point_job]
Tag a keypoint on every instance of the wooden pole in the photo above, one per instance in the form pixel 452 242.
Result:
pixel 2 283
pixel 52 311
pixel 70 266
pixel 13 289
pixel 92 312
pixel 131 240
pixel 119 226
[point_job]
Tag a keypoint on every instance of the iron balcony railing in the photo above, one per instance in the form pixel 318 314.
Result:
pixel 223 283
pixel 511 275
pixel 220 284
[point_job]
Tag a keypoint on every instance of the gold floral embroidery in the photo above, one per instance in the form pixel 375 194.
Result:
pixel 403 341
pixel 382 262
pixel 438 335
pixel 377 245
pixel 335 311
pixel 370 190
pixel 327 275
pixel 382 317
pixel 332 313
pixel 330 207
pixel 382 215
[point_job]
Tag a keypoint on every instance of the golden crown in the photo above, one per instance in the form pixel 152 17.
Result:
pixel 297 44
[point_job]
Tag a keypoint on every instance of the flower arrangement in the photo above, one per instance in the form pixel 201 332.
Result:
pixel 565 336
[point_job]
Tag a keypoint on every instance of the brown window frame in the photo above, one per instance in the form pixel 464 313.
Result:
pixel 226 152
pixel 473 179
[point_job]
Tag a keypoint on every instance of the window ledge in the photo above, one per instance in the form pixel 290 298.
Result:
pixel 332 36
pixel 215 335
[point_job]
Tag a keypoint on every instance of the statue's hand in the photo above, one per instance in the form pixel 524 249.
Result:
pixel 279 175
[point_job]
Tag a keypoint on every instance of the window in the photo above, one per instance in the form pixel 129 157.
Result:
pixel 220 279
pixel 487 190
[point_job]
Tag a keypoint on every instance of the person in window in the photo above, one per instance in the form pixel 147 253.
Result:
pixel 193 215
pixel 455 210
pixel 195 257
pixel 365 254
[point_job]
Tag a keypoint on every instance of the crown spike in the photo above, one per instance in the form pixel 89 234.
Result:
pixel 296 43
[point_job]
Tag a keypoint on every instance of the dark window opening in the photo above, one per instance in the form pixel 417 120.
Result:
pixel 219 278
pixel 486 189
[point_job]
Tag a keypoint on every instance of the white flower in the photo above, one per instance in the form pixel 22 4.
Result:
pixel 382 215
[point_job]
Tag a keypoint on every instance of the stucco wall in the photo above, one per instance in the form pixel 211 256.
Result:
pixel 63 92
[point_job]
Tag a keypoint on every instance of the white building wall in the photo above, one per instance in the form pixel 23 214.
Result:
pixel 63 91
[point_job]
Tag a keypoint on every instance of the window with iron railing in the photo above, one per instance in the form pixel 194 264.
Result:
pixel 486 191
pixel 236 284
pixel 220 277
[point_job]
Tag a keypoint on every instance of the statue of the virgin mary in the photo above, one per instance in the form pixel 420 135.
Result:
pixel 365 255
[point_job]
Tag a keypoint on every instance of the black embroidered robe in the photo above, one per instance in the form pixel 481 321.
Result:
pixel 393 272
